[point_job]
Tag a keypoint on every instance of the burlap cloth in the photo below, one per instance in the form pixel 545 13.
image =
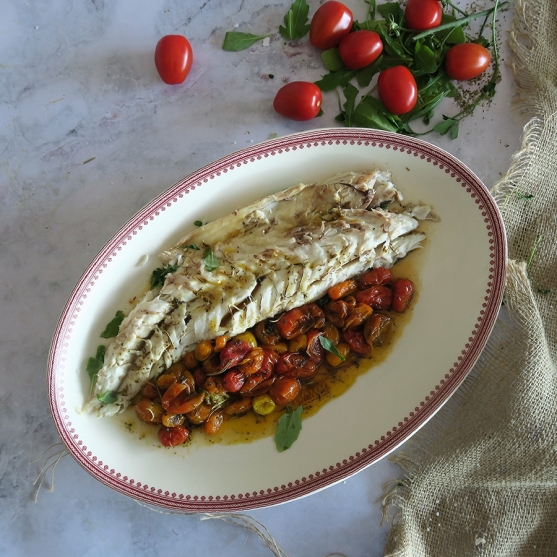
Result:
pixel 482 479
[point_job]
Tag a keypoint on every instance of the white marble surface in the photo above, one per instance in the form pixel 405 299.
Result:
pixel 78 84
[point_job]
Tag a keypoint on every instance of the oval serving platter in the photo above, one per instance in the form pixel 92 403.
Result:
pixel 461 274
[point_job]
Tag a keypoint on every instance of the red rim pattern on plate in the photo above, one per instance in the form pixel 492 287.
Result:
pixel 367 455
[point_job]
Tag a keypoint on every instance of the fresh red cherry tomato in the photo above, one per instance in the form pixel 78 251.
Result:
pixel 173 58
pixel 172 436
pixel 403 291
pixel 330 23
pixel 466 61
pixel 298 100
pixel 397 90
pixel 423 14
pixel 360 49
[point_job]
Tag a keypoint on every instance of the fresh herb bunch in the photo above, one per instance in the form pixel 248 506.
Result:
pixel 423 54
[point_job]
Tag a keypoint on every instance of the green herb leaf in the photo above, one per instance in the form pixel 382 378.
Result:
pixel 523 195
pixel 385 204
pixel 108 397
pixel 424 59
pixel 451 36
pixel 329 345
pixel 94 365
pixel 391 9
pixel 350 92
pixel 111 330
pixel 370 113
pixel 443 127
pixel 198 223
pixel 333 80
pixel 296 21
pixel 235 41
pixel 366 74
pixel 190 246
pixel 211 261
pixel 331 59
pixel 288 428
pixel 159 275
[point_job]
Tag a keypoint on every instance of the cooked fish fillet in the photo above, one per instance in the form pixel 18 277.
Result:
pixel 276 254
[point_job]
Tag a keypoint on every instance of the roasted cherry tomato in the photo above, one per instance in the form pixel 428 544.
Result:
pixel 149 390
pixel 357 315
pixel 397 90
pixel 378 329
pixel 233 380
pixel 173 58
pixel 336 312
pixel 238 407
pixel 403 291
pixel 375 277
pixel 265 334
pixel 330 23
pixel 355 339
pixel 149 411
pixel 252 382
pixel 466 61
pixel 199 377
pixel 213 423
pixel 423 14
pixel 172 436
pixel 360 49
pixel 300 320
pixel 342 289
pixel 178 399
pixel 378 297
pixel 293 364
pixel 200 414
pixel 315 350
pixel 252 362
pixel 298 100
pixel 285 390
pixel 233 353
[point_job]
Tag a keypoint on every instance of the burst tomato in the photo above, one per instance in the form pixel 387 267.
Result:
pixel 375 277
pixel 173 58
pixel 466 61
pixel 330 23
pixel 298 100
pixel 300 320
pixel 378 297
pixel 172 436
pixel 360 49
pixel 285 390
pixel 403 292
pixel 397 90
pixel 423 14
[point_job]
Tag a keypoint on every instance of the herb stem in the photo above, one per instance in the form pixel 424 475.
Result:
pixel 461 21
pixel 449 3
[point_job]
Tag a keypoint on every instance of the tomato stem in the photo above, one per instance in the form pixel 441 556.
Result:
pixel 461 21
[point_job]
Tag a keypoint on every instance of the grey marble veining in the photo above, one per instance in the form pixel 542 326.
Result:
pixel 88 135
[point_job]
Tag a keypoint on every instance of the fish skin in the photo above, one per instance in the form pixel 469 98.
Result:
pixel 279 253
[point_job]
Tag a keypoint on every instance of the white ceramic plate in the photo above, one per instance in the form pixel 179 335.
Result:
pixel 461 272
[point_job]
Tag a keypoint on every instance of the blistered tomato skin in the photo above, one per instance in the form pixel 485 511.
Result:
pixel 403 292
pixel 397 90
pixel 360 49
pixel 172 436
pixel 298 100
pixel 423 14
pixel 173 58
pixel 466 61
pixel 331 22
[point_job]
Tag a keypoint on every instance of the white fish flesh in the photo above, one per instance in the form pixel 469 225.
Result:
pixel 274 255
